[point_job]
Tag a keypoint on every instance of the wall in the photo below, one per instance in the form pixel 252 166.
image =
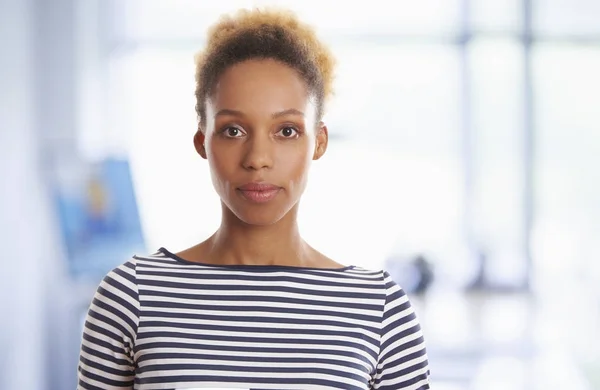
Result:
pixel 37 110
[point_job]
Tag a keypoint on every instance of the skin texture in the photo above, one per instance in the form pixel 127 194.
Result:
pixel 261 127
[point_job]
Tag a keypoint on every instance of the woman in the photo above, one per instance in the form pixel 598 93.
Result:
pixel 254 306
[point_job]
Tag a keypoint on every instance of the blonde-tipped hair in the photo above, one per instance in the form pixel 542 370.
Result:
pixel 264 34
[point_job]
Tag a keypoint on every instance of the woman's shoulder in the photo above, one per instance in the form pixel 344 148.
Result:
pixel 126 273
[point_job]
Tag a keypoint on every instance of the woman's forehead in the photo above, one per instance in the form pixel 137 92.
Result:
pixel 261 86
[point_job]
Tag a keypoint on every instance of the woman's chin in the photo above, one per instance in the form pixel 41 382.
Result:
pixel 260 215
pixel 257 218
pixel 257 214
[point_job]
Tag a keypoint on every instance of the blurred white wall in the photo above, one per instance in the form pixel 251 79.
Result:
pixel 36 100
pixel 24 225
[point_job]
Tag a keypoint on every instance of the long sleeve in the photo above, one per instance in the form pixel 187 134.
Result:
pixel 106 359
pixel 402 358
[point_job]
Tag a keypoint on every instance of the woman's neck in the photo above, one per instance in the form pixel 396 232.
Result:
pixel 237 243
pixel 278 244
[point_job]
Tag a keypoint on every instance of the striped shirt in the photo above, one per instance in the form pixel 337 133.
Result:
pixel 161 322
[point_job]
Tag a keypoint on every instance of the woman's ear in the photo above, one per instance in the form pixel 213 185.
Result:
pixel 199 140
pixel 322 139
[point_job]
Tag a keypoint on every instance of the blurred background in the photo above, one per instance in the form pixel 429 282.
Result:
pixel 478 121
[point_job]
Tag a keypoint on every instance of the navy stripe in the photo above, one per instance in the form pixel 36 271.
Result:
pixel 280 342
pixel 410 344
pixel 106 381
pixel 235 358
pixel 108 359
pixel 251 319
pixel 264 298
pixel 346 332
pixel 259 278
pixel 258 308
pixel 255 369
pixel 102 343
pixel 257 380
pixel 410 357
pixel 109 321
pixel 106 369
pixel 266 348
pixel 266 289
pixel 85 385
pixel 405 333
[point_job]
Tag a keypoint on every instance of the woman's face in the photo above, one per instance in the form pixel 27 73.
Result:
pixel 260 137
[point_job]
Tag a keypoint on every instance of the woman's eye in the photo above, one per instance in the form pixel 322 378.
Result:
pixel 288 132
pixel 233 132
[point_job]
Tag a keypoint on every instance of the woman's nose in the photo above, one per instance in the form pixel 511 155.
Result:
pixel 259 153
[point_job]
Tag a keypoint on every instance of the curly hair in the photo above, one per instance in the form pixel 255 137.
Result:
pixel 264 34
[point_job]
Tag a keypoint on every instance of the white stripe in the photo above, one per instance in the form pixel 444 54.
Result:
pixel 250 284
pixel 397 368
pixel 232 374
pixel 242 325
pixel 261 314
pixel 260 355
pixel 232 273
pixel 246 366
pixel 404 352
pixel 119 320
pixel 106 375
pixel 393 383
pixel 104 350
pixel 399 329
pixel 96 359
pixel 147 292
pixel 278 305
pixel 100 385
pixel 283 349
pixel 266 336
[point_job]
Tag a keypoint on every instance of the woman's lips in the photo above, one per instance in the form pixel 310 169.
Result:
pixel 259 192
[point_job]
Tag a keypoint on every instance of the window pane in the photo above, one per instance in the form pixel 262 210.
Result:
pixel 399 106
pixel 188 19
pixel 403 96
pixel 152 92
pixel 425 17
pixel 496 81
pixel 566 17
pixel 365 202
pixel 167 20
pixel 567 91
pixel 496 16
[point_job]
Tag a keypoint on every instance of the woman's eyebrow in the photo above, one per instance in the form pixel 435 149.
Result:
pixel 230 112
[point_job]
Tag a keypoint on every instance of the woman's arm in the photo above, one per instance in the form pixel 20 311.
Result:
pixel 402 361
pixel 106 359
